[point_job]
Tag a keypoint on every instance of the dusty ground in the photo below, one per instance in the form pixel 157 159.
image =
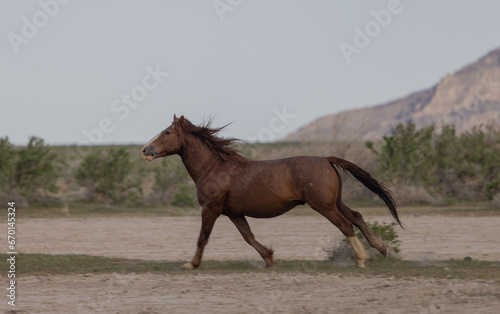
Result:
pixel 254 292
pixel 293 237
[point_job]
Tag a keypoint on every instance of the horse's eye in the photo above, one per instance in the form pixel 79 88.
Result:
pixel 167 132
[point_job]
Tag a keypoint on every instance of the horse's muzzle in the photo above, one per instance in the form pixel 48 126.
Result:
pixel 148 153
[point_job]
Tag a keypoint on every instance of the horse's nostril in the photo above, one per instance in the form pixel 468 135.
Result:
pixel 143 149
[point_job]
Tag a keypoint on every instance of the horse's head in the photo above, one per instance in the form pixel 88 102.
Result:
pixel 167 142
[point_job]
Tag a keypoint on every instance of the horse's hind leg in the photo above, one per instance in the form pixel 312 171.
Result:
pixel 357 219
pixel 345 226
pixel 241 223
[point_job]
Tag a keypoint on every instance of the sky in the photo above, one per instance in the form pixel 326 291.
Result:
pixel 115 72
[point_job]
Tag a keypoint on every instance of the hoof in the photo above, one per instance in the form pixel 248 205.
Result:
pixel 270 263
pixel 188 266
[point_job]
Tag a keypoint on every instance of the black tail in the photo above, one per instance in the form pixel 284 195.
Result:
pixel 368 181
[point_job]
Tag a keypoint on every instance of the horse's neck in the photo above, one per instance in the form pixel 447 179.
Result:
pixel 197 157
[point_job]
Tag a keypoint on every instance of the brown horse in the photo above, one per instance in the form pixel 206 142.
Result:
pixel 232 185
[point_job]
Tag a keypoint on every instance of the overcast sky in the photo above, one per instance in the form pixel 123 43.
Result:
pixel 116 71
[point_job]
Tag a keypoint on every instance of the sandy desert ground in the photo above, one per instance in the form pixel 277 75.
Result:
pixel 426 238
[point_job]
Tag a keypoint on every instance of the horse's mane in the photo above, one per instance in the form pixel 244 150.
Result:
pixel 223 147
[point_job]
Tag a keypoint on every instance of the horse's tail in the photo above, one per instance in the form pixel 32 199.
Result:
pixel 367 180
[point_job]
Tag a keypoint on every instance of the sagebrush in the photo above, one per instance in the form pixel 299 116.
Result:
pixel 105 173
pixel 342 252
pixel 451 167
pixel 28 173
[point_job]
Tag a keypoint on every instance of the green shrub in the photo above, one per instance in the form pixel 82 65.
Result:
pixel 169 173
pixel 7 164
pixel 495 202
pixel 492 188
pixel 343 253
pixel 186 197
pixel 34 167
pixel 28 171
pixel 453 167
pixel 105 174
pixel 385 231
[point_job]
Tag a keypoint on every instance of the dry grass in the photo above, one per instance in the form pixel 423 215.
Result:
pixel 45 264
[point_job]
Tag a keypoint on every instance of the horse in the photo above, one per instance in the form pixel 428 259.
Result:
pixel 231 185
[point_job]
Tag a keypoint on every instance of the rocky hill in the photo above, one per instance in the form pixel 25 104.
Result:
pixel 469 97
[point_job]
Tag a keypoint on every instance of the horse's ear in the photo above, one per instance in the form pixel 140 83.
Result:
pixel 182 121
pixel 179 122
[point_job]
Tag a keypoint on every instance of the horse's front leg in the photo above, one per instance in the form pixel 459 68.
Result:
pixel 208 219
